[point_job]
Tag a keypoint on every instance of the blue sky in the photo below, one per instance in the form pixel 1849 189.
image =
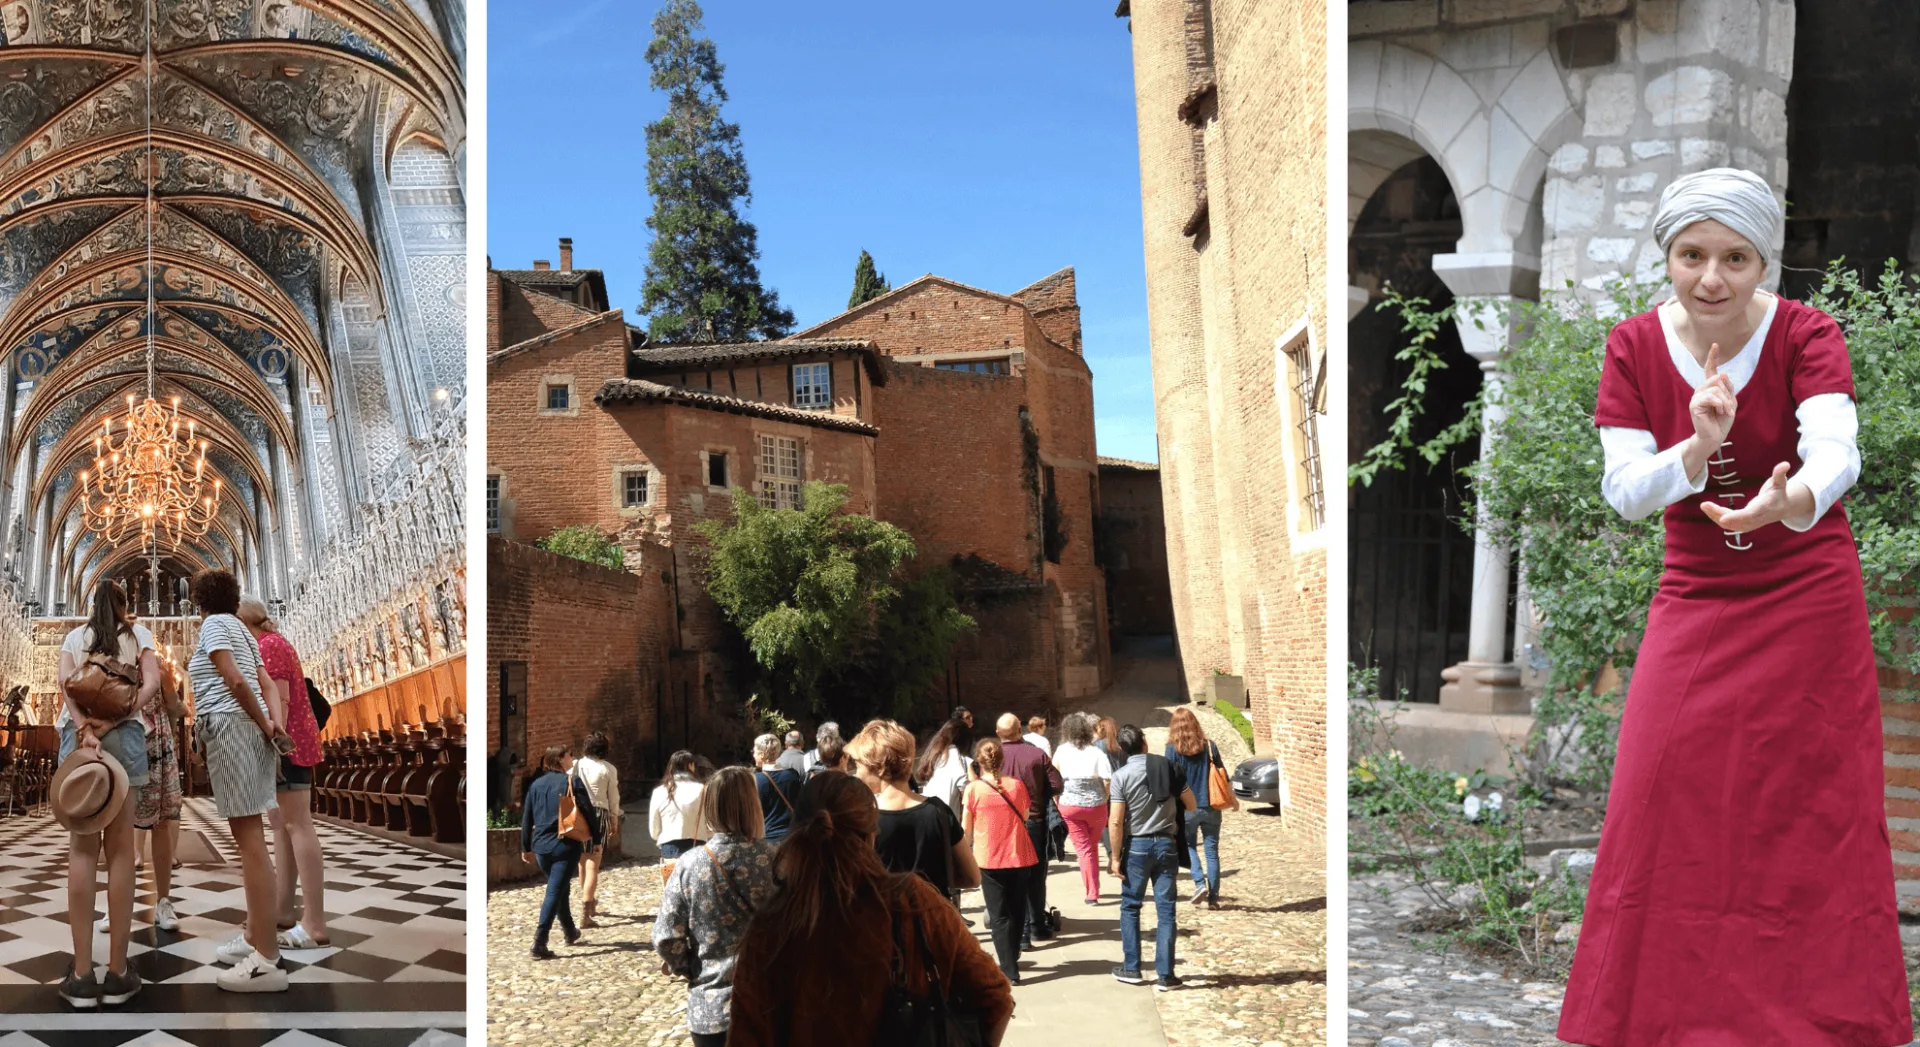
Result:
pixel 992 143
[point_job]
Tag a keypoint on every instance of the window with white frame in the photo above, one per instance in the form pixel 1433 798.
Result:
pixel 780 472
pixel 493 504
pixel 1313 496
pixel 813 386
pixel 633 488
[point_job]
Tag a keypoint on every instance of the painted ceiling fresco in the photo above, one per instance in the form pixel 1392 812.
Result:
pixel 261 143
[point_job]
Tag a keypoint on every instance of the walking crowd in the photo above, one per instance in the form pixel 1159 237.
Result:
pixel 813 897
pixel 255 722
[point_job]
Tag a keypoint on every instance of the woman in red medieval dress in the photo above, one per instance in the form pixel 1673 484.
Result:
pixel 1744 892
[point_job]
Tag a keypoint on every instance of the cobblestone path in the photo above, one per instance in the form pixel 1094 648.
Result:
pixel 1402 992
pixel 1255 968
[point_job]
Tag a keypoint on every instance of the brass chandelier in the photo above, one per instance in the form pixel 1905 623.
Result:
pixel 146 483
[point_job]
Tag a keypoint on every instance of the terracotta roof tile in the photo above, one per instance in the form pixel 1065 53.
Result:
pixel 622 390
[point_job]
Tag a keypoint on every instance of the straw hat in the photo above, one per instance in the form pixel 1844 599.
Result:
pixel 88 790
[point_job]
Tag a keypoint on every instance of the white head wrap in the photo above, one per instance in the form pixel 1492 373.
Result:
pixel 1740 200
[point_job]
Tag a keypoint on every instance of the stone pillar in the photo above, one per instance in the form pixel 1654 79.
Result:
pixel 1486 286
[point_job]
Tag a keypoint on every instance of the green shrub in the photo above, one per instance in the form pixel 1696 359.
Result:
pixel 585 542
pixel 1238 719
pixel 503 818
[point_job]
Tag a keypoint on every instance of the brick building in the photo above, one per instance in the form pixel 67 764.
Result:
pixel 1232 121
pixel 1133 539
pixel 962 415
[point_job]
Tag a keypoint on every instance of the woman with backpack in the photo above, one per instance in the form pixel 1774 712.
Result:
pixel 715 888
pixel 884 934
pixel 1189 749
pixel 545 845
pixel 779 787
pixel 109 645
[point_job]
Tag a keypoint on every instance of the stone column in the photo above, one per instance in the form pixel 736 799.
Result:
pixel 1485 285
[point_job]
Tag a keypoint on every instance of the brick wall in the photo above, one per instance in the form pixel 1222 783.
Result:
pixel 1133 527
pixel 595 645
pixel 1248 583
pixel 516 314
pixel 937 316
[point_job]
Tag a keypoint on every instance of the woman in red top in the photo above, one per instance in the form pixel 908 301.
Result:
pixel 995 823
pixel 292 820
pixel 1744 888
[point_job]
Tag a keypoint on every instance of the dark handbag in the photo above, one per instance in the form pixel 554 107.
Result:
pixel 935 1019
pixel 322 709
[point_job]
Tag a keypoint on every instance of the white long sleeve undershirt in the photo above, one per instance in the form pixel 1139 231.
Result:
pixel 1641 479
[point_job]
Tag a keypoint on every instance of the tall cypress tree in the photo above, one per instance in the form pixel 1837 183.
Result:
pixel 868 282
pixel 703 277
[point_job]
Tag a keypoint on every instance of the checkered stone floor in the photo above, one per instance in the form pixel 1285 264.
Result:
pixel 394 974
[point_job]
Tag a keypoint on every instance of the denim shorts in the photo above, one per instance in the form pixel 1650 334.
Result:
pixel 125 741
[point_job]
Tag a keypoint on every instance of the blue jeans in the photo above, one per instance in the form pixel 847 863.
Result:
pixel 1205 825
pixel 1149 858
pixel 671 850
pixel 559 900
pixel 125 741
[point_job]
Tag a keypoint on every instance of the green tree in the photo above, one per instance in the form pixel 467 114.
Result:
pixel 835 622
pixel 585 542
pixel 703 277
pixel 868 283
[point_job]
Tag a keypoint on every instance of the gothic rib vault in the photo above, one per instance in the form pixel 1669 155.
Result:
pixel 308 269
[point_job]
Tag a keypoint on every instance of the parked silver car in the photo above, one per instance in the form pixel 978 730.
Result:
pixel 1257 780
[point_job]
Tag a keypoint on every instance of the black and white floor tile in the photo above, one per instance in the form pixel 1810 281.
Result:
pixel 394 974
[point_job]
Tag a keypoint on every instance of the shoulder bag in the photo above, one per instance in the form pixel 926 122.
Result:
pixel 931 1019
pixel 1219 788
pixel 788 804
pixel 573 821
pixel 746 903
pixel 105 687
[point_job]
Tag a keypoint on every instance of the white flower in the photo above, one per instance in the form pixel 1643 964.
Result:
pixel 1471 806
pixel 1493 802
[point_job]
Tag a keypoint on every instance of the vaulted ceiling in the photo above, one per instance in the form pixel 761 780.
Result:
pixel 272 120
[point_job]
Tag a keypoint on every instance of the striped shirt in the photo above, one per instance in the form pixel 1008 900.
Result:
pixel 223 632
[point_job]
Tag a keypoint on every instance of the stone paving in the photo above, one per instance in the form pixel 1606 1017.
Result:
pixel 1255 968
pixel 1403 992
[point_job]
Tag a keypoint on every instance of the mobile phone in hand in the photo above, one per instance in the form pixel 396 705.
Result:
pixel 284 744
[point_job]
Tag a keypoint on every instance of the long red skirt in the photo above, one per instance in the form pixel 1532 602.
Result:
pixel 1744 891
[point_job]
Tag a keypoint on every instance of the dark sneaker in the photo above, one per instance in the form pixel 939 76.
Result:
pixel 1171 981
pixel 1121 974
pixel 116 989
pixel 541 952
pixel 82 993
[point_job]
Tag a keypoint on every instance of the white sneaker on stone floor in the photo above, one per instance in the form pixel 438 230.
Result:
pixel 163 915
pixel 235 950
pixel 254 974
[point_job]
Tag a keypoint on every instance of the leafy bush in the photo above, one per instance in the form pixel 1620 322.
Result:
pixel 1238 719
pixel 503 818
pixel 1462 840
pixel 823 598
pixel 585 542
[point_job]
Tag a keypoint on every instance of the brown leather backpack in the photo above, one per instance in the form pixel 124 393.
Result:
pixel 105 688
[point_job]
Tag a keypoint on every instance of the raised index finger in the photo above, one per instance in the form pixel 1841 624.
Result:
pixel 1713 360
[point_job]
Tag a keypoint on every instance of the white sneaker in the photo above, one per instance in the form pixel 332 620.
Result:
pixel 234 951
pixel 163 915
pixel 254 973
pixel 100 926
